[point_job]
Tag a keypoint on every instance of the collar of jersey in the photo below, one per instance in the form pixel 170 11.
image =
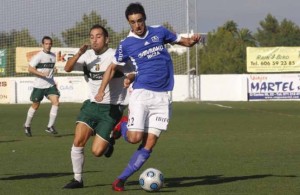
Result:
pixel 131 34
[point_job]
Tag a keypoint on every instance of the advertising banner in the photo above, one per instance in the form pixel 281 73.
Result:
pixel 7 87
pixel 2 61
pixel 273 59
pixel 72 89
pixel 24 55
pixel 276 87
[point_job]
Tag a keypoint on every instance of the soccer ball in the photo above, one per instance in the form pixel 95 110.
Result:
pixel 151 179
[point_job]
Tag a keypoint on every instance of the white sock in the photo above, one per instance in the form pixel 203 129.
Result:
pixel 29 117
pixel 52 115
pixel 77 157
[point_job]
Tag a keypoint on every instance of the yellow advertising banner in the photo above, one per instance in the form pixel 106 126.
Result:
pixel 24 55
pixel 273 59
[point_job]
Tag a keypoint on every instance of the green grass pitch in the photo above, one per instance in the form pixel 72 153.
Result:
pixel 210 148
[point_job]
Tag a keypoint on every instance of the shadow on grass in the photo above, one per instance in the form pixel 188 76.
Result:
pixel 39 175
pixel 9 141
pixel 64 135
pixel 208 180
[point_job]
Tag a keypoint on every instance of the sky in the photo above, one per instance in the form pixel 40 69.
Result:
pixel 43 17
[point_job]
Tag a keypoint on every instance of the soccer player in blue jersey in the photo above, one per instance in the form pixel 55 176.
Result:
pixel 149 103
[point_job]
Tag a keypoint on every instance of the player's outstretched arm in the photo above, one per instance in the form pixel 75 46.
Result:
pixel 190 42
pixel 108 75
pixel 72 61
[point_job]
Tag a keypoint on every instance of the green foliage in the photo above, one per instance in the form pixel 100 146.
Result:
pixel 79 34
pixel 273 33
pixel 56 41
pixel 226 50
pixel 10 41
pixel 168 26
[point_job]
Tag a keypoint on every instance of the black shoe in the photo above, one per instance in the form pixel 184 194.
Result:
pixel 110 148
pixel 27 131
pixel 74 184
pixel 51 130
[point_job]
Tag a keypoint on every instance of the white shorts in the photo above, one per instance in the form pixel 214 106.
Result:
pixel 149 111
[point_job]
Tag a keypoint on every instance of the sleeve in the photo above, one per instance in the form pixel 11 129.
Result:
pixel 120 56
pixel 170 37
pixel 35 60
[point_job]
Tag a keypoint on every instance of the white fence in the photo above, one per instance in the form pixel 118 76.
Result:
pixel 239 87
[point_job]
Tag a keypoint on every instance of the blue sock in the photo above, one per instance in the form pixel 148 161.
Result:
pixel 124 130
pixel 136 162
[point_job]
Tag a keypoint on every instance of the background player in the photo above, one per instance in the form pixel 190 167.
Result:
pixel 42 65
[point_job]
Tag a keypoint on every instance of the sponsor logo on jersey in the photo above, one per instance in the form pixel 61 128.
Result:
pixel 120 51
pixel 151 52
pixel 45 65
pixel 97 67
pixel 96 75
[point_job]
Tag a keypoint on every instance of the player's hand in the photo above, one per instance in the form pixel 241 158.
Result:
pixel 129 79
pixel 99 96
pixel 83 49
pixel 127 82
pixel 47 74
pixel 196 38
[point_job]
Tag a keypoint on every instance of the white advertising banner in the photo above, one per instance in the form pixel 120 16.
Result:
pixel 273 86
pixel 72 89
pixel 7 94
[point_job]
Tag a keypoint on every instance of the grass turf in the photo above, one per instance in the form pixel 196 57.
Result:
pixel 210 148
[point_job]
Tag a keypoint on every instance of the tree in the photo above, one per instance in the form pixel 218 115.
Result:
pixel 168 26
pixel 226 50
pixel 78 35
pixel 56 41
pixel 272 33
pixel 11 40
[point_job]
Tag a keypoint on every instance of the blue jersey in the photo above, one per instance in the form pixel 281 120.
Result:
pixel 151 58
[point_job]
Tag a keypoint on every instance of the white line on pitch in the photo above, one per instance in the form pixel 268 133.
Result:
pixel 219 105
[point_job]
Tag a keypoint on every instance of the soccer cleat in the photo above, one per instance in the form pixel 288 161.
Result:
pixel 118 185
pixel 110 148
pixel 51 130
pixel 27 131
pixel 117 129
pixel 74 184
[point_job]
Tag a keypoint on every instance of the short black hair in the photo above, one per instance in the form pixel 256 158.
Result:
pixel 95 26
pixel 46 38
pixel 135 8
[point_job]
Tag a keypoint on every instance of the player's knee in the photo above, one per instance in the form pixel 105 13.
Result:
pixel 56 104
pixel 97 152
pixel 78 142
pixel 134 139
